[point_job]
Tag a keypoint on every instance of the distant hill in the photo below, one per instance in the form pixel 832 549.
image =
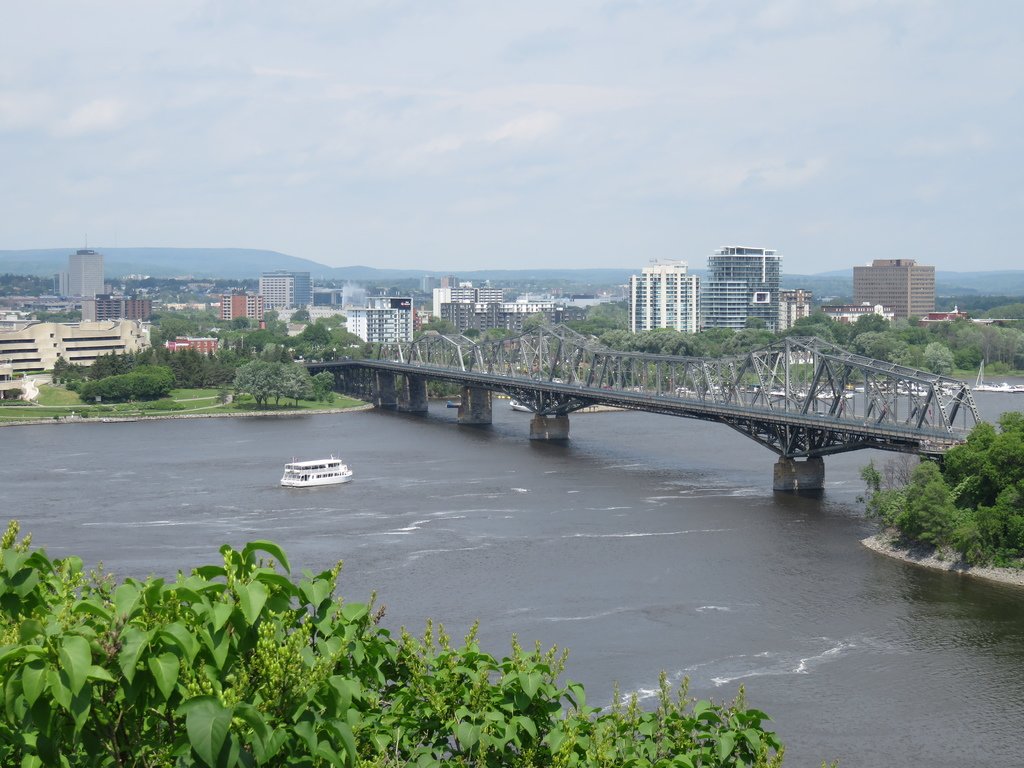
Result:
pixel 162 262
pixel 249 262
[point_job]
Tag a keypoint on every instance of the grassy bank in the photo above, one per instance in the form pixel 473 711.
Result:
pixel 58 403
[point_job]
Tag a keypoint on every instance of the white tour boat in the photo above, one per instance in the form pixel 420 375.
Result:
pixel 304 474
pixel 515 405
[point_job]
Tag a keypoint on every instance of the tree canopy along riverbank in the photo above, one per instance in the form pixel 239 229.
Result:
pixel 242 663
pixel 973 502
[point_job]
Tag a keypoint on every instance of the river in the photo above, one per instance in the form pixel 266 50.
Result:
pixel 646 543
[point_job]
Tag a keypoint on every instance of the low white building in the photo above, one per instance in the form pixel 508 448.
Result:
pixel 850 313
pixel 34 346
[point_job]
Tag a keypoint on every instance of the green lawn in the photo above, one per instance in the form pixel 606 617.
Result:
pixel 51 395
pixel 57 401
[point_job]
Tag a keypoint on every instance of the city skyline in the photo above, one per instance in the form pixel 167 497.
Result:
pixel 471 137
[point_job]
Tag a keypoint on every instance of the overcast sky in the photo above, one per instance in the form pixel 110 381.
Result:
pixel 459 135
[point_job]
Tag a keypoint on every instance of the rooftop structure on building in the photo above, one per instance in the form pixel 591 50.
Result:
pixel 286 290
pixel 742 284
pixel 903 284
pixel 664 295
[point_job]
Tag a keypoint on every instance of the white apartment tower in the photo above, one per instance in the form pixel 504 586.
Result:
pixel 85 273
pixel 664 295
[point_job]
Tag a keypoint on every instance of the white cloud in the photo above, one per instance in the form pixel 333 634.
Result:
pixel 526 128
pixel 20 109
pixel 96 116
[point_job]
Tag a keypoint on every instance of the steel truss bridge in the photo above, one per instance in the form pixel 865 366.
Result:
pixel 799 397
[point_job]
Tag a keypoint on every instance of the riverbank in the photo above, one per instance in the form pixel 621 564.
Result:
pixel 887 543
pixel 169 416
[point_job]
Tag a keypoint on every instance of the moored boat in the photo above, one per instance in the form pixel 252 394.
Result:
pixel 981 386
pixel 305 474
pixel 515 405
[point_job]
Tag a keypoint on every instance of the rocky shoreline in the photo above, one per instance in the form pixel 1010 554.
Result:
pixel 888 544
pixel 169 416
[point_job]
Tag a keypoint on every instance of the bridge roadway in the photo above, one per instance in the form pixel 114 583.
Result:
pixel 801 428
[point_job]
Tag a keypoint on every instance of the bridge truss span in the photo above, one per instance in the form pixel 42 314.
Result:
pixel 800 397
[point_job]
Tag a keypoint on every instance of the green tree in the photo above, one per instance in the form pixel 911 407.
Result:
pixel 928 514
pixel 242 664
pixel 260 379
pixel 938 358
pixel 296 383
pixel 323 387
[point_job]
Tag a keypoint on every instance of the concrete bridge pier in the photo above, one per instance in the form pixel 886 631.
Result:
pixel 549 427
pixel 384 391
pixel 413 396
pixel 794 476
pixel 475 407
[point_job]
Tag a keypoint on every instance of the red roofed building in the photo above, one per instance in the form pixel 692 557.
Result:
pixel 205 345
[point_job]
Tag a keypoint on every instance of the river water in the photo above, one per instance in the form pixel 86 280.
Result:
pixel 646 543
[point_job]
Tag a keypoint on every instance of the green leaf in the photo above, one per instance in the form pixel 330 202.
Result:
pixel 753 738
pixel 99 673
pixel 29 630
pixel 33 680
pixel 467 734
pixel 92 608
pixel 219 615
pixel 726 742
pixel 165 669
pixel 260 731
pixel 207 722
pixel 210 572
pixel 278 580
pixel 133 642
pixel 529 682
pixel 60 692
pixel 554 739
pixel 126 597
pixel 304 731
pixel 270 548
pixel 352 612
pixel 343 733
pixel 527 725
pixel 315 592
pixel 219 643
pixel 346 689
pixel 9 653
pixel 76 659
pixel 251 598
pixel 177 634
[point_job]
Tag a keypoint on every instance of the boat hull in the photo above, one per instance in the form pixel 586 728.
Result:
pixel 292 483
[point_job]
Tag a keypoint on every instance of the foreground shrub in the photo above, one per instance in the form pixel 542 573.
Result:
pixel 237 664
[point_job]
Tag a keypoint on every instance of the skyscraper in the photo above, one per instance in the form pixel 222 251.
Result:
pixel 742 284
pixel 664 295
pixel 903 284
pixel 85 273
pixel 286 290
